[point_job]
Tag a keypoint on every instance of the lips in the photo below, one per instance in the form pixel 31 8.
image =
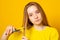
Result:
pixel 37 20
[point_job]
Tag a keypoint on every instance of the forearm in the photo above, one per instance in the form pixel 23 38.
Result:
pixel 4 37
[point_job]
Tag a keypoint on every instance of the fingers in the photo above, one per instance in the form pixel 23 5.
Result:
pixel 9 30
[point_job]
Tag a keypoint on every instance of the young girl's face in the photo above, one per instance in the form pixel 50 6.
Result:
pixel 34 15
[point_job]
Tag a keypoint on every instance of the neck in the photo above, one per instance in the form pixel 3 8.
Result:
pixel 39 27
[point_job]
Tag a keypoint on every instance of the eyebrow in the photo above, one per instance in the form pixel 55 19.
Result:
pixel 37 10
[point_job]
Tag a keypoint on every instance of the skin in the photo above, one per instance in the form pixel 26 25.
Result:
pixel 7 32
pixel 35 16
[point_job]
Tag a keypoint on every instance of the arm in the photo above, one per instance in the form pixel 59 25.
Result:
pixel 7 33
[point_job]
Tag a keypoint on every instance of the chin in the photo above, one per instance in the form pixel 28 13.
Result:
pixel 37 23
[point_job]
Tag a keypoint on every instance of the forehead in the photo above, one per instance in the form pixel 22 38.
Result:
pixel 31 9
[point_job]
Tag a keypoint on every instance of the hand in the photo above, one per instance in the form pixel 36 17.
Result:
pixel 9 30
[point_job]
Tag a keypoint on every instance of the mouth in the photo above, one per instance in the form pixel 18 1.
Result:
pixel 37 20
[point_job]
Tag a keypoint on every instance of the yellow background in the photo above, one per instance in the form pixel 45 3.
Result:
pixel 11 12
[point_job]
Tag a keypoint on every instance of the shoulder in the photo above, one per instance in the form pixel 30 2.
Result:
pixel 15 35
pixel 52 28
pixel 53 31
pixel 54 35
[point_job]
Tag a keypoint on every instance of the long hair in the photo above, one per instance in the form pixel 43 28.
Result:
pixel 26 21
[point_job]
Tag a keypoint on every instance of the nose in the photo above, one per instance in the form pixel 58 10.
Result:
pixel 35 16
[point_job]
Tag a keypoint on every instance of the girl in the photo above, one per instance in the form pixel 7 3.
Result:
pixel 35 26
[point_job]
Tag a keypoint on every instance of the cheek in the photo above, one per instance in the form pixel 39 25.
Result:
pixel 39 15
pixel 31 19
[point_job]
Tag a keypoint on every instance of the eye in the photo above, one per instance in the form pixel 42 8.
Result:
pixel 30 14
